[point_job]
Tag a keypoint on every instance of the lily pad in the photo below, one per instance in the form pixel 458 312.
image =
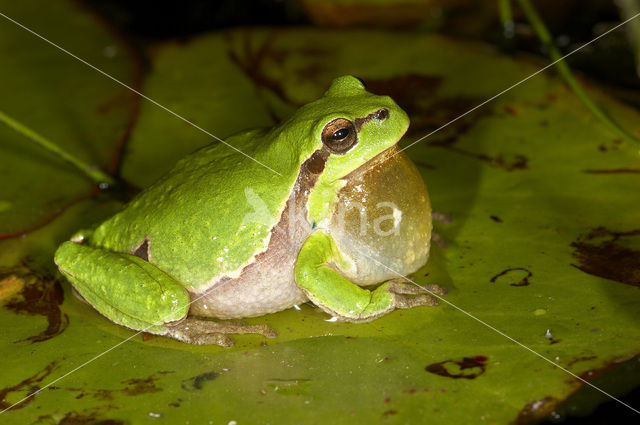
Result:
pixel 61 98
pixel 543 198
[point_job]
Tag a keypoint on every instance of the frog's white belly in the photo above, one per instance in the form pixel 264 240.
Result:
pixel 267 288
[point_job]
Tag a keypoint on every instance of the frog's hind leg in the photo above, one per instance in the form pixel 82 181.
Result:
pixel 126 289
pixel 201 331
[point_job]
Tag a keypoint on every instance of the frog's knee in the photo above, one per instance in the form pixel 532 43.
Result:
pixel 70 256
pixel 65 252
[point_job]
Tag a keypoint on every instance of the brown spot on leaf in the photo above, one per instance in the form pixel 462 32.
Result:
pixel 410 91
pixel 137 386
pixel 535 410
pixel 121 100
pixel 516 162
pixel 389 412
pixel 516 276
pixel 415 94
pixel 467 367
pixel 77 418
pixel 511 110
pixel 495 218
pixel 450 118
pixel 581 359
pixel 132 387
pixel 175 403
pixel 610 255
pixel 195 383
pixel 613 145
pixel 250 58
pixel 34 294
pixel 29 384
pixel 442 120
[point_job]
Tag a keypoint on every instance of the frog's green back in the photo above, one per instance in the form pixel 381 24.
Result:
pixel 213 213
pixel 193 216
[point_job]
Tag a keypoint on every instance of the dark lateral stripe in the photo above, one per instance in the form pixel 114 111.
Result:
pixel 314 165
pixel 359 122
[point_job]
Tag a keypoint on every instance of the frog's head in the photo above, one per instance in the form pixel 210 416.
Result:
pixel 357 127
pixel 352 125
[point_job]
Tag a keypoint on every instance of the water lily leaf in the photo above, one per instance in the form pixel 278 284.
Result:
pixel 54 94
pixel 543 247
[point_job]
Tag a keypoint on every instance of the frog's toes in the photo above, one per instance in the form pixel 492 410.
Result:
pixel 265 330
pixel 211 339
pixel 408 295
pixel 401 286
pixel 432 288
pixel 402 301
pixel 201 331
pixel 192 332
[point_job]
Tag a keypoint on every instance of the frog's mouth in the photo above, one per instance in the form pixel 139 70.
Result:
pixel 386 158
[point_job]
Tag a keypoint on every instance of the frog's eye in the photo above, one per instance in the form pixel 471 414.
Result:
pixel 339 135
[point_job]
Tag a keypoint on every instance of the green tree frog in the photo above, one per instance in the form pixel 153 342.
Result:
pixel 221 236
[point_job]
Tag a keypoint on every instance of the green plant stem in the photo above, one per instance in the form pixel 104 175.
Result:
pixel 565 72
pixel 100 178
pixel 506 17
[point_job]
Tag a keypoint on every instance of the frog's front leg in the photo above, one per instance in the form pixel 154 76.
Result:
pixel 336 295
pixel 136 294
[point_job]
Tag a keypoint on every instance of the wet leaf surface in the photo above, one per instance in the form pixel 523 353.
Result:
pixel 526 250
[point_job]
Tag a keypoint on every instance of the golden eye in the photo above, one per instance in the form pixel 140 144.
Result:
pixel 339 136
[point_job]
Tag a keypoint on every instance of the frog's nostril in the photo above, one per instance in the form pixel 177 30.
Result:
pixel 382 114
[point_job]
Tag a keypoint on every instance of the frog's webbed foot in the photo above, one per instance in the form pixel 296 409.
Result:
pixel 409 295
pixel 202 332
